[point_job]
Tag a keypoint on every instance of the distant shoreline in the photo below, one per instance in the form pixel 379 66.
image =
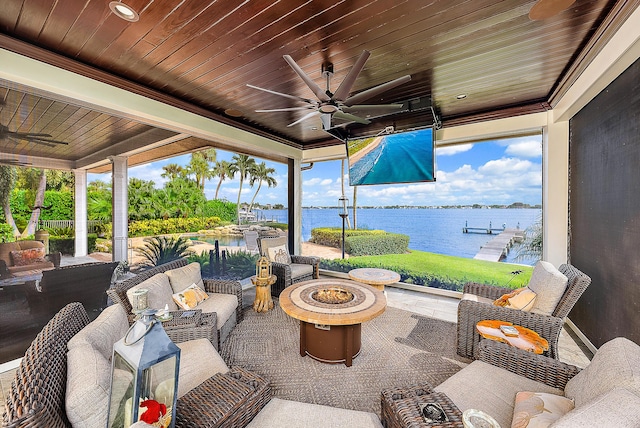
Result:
pixel 365 151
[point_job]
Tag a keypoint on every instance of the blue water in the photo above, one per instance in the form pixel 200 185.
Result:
pixel 433 230
pixel 400 158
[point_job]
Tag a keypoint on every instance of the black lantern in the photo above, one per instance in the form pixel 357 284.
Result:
pixel 344 213
pixel 144 380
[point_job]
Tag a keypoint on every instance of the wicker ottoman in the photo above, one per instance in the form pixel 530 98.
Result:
pixel 226 400
pixel 401 407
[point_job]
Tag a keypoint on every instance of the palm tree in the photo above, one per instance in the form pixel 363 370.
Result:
pixel 7 181
pixel 222 171
pixel 172 171
pixel 261 174
pixel 200 167
pixel 141 205
pixel 37 180
pixel 244 166
pixel 159 250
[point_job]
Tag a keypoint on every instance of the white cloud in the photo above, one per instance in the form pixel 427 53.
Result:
pixel 453 149
pixel 527 149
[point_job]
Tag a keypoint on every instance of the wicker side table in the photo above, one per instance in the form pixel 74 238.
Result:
pixel 228 400
pixel 401 407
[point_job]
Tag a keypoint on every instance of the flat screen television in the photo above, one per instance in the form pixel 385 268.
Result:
pixel 404 157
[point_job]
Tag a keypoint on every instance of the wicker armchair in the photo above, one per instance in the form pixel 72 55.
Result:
pixel 301 268
pixel 181 329
pixel 549 327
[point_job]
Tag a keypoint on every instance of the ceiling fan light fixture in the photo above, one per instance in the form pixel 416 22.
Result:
pixel 328 109
pixel 124 11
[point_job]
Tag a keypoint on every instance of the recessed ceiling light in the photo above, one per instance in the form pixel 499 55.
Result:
pixel 233 112
pixel 123 11
pixel 461 96
pixel 314 128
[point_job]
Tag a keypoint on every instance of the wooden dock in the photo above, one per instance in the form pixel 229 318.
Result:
pixel 498 248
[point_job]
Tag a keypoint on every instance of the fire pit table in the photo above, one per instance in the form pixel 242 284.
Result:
pixel 331 312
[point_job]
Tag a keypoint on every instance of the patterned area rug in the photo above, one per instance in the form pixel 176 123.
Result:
pixel 393 354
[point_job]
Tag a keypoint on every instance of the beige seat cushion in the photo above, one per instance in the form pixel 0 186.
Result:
pixel 491 389
pixel 199 360
pixel 224 305
pixel 298 270
pixel 160 292
pixel 293 414
pixel 615 364
pixel 183 277
pixel 476 298
pixel 549 285
pixel 618 408
pixel 103 332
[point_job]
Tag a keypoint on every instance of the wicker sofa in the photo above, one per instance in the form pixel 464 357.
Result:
pixel 9 250
pixel 223 310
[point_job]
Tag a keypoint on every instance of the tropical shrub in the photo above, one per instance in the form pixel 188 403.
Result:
pixel 240 264
pixel 376 245
pixel 224 210
pixel 159 250
pixel 172 225
pixel 332 236
pixel 6 233
pixel 66 244
pixel 60 203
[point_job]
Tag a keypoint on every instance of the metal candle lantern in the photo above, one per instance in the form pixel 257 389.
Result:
pixel 144 381
pixel 344 202
pixel 139 300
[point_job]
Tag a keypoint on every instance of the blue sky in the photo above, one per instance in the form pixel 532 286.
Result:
pixel 493 172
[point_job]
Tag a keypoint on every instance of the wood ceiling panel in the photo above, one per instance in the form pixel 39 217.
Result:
pixel 59 22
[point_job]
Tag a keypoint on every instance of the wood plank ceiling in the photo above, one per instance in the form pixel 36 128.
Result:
pixel 200 55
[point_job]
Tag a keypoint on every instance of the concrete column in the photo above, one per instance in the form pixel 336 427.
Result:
pixel 555 191
pixel 80 212
pixel 120 203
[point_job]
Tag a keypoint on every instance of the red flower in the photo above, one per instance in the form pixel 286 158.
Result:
pixel 154 411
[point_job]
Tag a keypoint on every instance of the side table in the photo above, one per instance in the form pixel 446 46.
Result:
pixel 401 407
pixel 263 301
pixel 375 277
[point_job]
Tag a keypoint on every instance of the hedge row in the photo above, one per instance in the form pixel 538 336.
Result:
pixel 361 242
pixel 67 245
pixel 172 225
pixel 426 279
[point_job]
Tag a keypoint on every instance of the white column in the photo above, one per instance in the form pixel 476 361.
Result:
pixel 120 206
pixel 555 191
pixel 80 212
pixel 297 201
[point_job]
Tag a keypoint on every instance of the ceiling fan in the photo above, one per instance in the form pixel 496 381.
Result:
pixel 338 105
pixel 45 139
pixel 544 9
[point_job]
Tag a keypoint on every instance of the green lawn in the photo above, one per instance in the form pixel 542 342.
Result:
pixel 438 270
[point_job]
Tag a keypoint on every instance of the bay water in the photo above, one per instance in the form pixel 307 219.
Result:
pixel 429 229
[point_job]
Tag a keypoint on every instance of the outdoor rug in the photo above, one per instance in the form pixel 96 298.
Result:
pixel 398 348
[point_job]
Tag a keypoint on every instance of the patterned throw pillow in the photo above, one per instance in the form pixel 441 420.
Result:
pixel 28 257
pixel 190 297
pixel 539 409
pixel 279 254
pixel 522 299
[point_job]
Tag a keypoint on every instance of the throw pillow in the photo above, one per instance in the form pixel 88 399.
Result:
pixel 523 301
pixel 182 277
pixel 279 254
pixel 28 257
pixel 549 284
pixel 539 409
pixel 190 297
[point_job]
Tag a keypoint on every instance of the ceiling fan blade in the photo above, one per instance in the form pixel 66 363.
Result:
pixel 292 97
pixel 284 109
pixel 322 96
pixel 305 117
pixel 371 108
pixel 345 87
pixel 351 117
pixel 369 93
pixel 28 134
pixel 544 9
pixel 45 141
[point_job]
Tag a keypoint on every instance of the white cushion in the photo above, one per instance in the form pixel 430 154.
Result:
pixel 103 332
pixel 523 301
pixel 491 389
pixel 224 305
pixel 199 360
pixel 293 414
pixel 181 278
pixel 549 285
pixel 615 364
pixel 160 292
pixel 618 408
pixel 300 269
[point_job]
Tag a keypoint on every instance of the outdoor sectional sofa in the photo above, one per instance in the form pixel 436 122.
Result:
pixel 19 258
pixel 64 381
